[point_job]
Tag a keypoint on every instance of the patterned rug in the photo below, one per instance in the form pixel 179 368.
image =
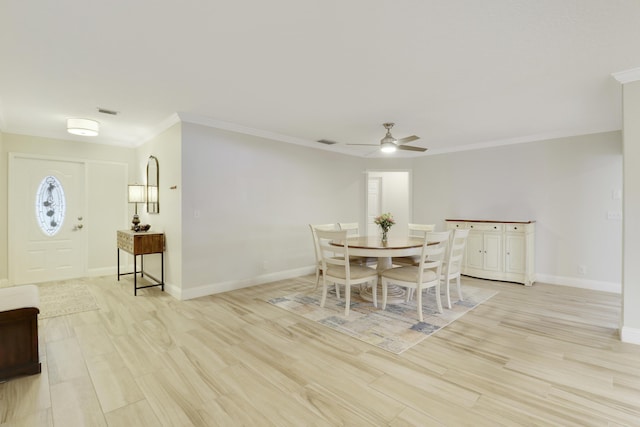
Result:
pixel 395 329
pixel 60 299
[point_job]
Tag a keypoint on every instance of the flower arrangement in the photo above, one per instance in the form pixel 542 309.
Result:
pixel 385 221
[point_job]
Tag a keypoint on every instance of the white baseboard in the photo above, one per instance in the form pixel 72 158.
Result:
pixel 172 290
pixel 630 335
pixel 216 288
pixel 105 271
pixel 4 283
pixel 575 282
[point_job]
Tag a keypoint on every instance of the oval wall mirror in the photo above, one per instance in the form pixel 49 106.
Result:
pixel 153 185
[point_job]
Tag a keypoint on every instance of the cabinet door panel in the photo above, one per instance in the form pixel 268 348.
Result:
pixel 475 250
pixel 493 252
pixel 515 253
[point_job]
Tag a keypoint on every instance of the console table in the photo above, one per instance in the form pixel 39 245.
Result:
pixel 498 250
pixel 141 243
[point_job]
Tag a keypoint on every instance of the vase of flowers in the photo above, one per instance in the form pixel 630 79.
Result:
pixel 385 221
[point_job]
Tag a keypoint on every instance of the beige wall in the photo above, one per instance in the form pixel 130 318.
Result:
pixel 631 264
pixel 166 147
pixel 4 244
pixel 566 185
pixel 247 202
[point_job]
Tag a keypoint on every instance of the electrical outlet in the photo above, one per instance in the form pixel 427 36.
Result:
pixel 582 270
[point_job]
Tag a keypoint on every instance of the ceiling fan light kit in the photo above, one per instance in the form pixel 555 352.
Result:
pixel 388 147
pixel 389 144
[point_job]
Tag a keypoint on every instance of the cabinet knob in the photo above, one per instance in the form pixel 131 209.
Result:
pixel 515 228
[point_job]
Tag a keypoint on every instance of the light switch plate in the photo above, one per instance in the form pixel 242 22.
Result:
pixel 616 194
pixel 614 215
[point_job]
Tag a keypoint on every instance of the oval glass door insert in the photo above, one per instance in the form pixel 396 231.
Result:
pixel 50 205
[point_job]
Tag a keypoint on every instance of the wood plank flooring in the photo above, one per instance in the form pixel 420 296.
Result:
pixel 541 355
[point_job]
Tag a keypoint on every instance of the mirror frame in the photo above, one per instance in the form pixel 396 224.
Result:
pixel 153 182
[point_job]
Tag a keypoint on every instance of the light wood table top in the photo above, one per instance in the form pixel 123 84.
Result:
pixel 375 242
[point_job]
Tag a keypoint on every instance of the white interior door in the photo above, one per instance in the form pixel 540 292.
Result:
pixel 374 204
pixel 389 191
pixel 47 237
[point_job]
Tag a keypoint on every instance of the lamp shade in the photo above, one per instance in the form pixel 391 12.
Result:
pixel 137 193
pixel 84 127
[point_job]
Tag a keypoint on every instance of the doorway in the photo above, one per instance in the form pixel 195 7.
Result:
pixel 388 191
pixel 47 234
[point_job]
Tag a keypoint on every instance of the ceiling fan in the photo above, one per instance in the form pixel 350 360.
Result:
pixel 389 144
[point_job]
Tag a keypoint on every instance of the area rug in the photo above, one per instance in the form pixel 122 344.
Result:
pixel 60 299
pixel 395 329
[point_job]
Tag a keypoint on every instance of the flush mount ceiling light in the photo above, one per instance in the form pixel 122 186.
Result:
pixel 84 127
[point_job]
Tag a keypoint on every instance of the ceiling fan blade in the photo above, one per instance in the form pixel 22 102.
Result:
pixel 408 139
pixel 410 148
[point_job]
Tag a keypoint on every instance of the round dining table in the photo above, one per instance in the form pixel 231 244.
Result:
pixel 374 247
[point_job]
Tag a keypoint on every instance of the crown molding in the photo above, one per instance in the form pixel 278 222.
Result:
pixel 520 140
pixel 274 136
pixel 627 76
pixel 159 128
pixel 234 127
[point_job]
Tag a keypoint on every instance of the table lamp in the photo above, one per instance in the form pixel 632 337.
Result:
pixel 137 194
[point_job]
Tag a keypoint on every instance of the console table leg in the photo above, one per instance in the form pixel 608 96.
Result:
pixel 135 277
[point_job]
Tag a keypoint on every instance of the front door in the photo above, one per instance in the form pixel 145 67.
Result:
pixel 47 237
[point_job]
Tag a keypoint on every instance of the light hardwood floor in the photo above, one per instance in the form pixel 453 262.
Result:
pixel 541 355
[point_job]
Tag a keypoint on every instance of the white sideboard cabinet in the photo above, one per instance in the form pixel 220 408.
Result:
pixel 498 250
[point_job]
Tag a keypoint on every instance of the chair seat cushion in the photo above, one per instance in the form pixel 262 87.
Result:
pixel 357 272
pixel 409 274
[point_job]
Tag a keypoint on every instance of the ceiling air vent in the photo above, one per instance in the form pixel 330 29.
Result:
pixel 105 111
pixel 326 141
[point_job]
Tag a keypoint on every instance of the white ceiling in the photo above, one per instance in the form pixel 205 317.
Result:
pixel 460 74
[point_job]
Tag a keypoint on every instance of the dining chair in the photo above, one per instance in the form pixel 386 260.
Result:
pixel 423 276
pixel 316 248
pixel 452 266
pixel 353 230
pixel 339 270
pixel 415 230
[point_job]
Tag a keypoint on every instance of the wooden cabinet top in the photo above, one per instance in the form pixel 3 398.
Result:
pixel 491 221
pixel 139 233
